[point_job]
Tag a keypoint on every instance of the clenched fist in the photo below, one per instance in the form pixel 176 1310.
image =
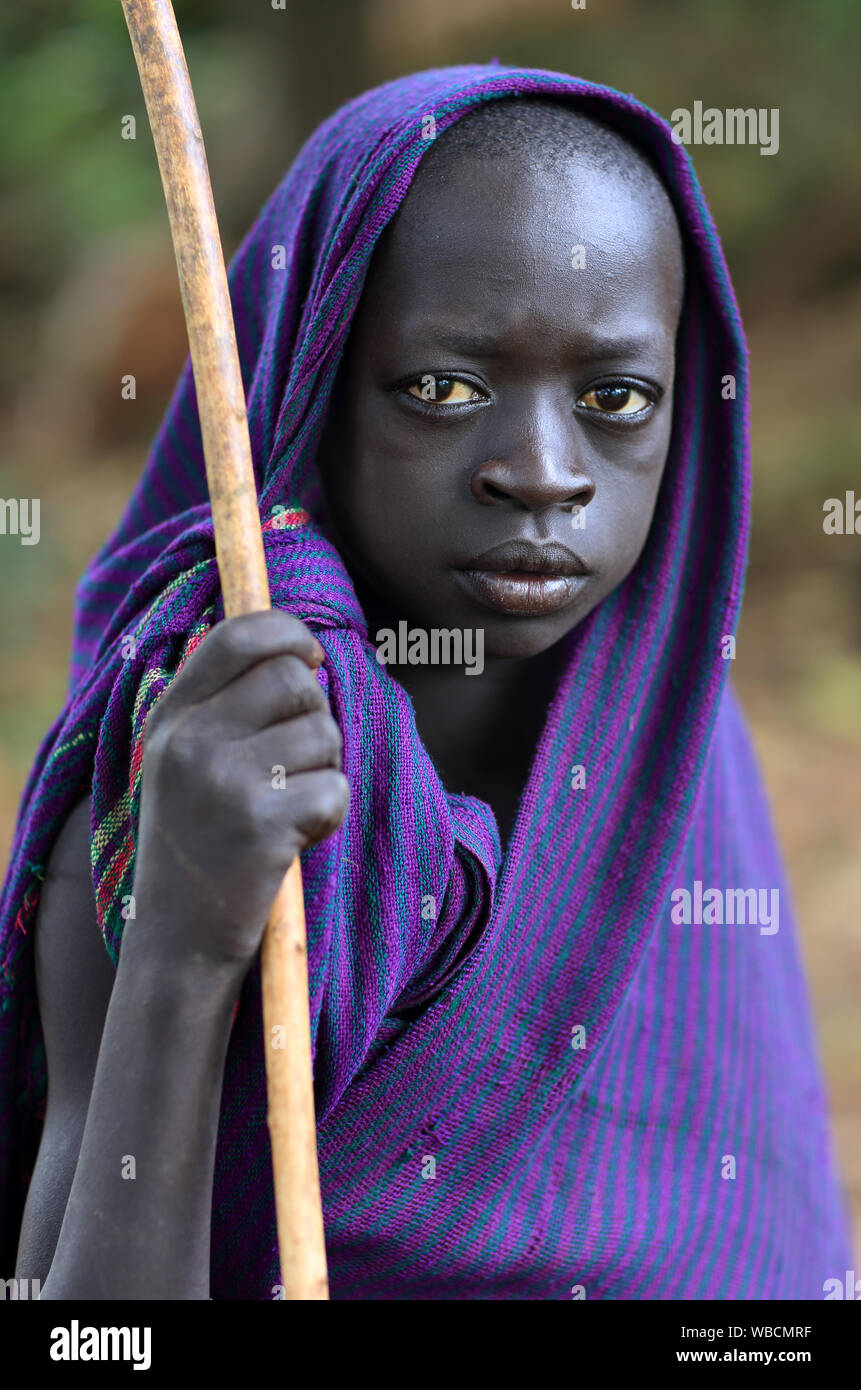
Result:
pixel 241 771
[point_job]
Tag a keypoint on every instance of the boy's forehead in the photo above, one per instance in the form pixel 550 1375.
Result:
pixel 500 238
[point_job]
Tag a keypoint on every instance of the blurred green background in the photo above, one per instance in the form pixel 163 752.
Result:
pixel 89 294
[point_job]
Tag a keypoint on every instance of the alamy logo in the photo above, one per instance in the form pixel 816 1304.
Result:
pixel 14 1289
pixel 442 646
pixel 849 1287
pixel 20 517
pixel 76 1343
pixel 735 126
pixel 741 906
pixel 842 519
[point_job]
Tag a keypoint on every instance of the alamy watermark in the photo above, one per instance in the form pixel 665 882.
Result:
pixel 842 518
pixel 440 646
pixel 847 1287
pixel 27 1289
pixel 731 906
pixel 735 126
pixel 76 1343
pixel 19 516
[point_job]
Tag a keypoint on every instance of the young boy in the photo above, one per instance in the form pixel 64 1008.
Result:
pixel 487 335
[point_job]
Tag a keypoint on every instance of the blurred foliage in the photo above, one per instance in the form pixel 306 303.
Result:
pixel 68 77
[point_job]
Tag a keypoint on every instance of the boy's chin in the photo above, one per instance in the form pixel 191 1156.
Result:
pixel 529 638
pixel 499 636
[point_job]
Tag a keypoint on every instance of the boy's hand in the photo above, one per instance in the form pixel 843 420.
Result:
pixel 241 771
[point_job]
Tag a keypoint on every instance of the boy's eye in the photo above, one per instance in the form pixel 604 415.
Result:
pixel 445 390
pixel 615 400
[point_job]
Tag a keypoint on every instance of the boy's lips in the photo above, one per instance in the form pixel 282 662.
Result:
pixel 525 579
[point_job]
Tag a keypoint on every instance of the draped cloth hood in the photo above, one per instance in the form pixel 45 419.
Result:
pixel 527 1076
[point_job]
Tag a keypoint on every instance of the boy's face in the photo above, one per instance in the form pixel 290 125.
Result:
pixel 496 377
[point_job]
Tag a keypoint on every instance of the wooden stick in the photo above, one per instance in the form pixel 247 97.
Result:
pixel 242 568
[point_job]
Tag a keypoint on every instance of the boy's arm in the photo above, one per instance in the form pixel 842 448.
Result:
pixel 135 1064
pixel 120 1201
pixel 74 979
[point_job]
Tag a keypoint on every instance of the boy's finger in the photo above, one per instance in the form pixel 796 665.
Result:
pixel 279 688
pixel 237 644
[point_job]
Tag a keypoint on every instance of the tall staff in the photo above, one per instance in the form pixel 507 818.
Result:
pixel 242 568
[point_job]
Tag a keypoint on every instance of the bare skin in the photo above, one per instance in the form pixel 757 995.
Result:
pixel 521 342
pixel 135 1056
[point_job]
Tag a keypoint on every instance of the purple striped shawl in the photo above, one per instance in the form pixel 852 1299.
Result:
pixel 594 1161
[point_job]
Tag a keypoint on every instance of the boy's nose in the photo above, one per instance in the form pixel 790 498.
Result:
pixel 536 470
pixel 533 482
